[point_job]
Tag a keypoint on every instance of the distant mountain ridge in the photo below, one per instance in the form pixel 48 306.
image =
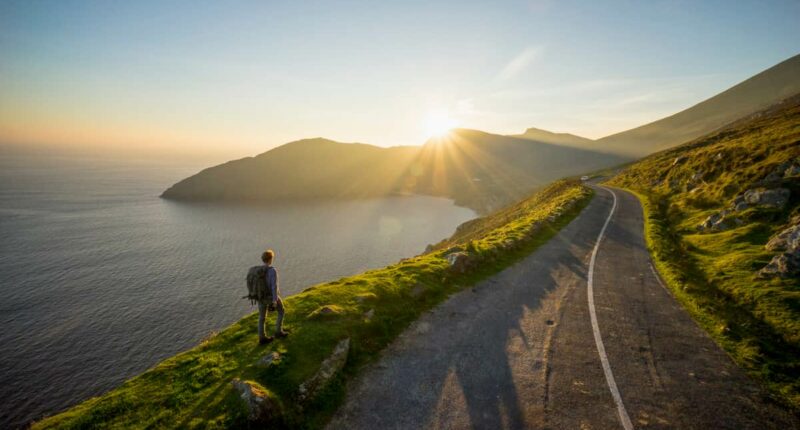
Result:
pixel 479 170
pixel 545 136
pixel 303 169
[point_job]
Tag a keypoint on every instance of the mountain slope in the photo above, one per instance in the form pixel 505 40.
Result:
pixel 488 170
pixel 722 211
pixel 305 169
pixel 479 170
pixel 545 136
pixel 760 91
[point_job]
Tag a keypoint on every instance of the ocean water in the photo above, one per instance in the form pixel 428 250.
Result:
pixel 100 279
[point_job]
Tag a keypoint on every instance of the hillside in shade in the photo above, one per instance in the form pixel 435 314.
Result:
pixel 479 170
pixel 757 93
pixel 485 170
pixel 304 169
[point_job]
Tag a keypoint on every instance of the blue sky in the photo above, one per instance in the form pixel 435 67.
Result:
pixel 241 77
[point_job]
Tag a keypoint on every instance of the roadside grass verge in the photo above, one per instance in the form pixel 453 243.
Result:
pixel 714 272
pixel 715 285
pixel 193 389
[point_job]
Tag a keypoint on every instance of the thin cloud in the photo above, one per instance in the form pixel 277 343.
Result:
pixel 519 63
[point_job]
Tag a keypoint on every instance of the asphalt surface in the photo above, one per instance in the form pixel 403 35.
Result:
pixel 520 351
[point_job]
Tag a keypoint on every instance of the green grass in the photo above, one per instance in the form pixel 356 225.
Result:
pixel 714 275
pixel 193 389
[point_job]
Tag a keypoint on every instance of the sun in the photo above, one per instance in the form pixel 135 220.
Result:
pixel 438 123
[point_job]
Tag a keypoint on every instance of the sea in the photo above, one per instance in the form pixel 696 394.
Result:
pixel 100 279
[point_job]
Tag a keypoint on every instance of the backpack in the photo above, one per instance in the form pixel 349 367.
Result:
pixel 257 289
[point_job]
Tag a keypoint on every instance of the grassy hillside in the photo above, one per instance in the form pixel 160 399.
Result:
pixel 194 390
pixel 752 95
pixel 479 170
pixel 708 232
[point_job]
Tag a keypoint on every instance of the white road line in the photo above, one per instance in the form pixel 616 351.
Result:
pixel 658 278
pixel 598 339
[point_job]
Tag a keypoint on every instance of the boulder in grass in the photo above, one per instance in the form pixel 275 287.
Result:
pixel 784 265
pixel 273 358
pixel 739 204
pixel 719 222
pixel 459 262
pixel 774 198
pixel 792 171
pixel 787 240
pixel 327 370
pixel 261 406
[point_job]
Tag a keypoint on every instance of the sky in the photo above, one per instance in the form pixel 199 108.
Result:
pixel 230 79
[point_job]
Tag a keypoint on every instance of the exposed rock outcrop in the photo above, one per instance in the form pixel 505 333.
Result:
pixel 774 198
pixel 270 359
pixel 786 240
pixel 261 407
pixel 784 265
pixel 787 263
pixel 720 221
pixel 459 262
pixel 330 366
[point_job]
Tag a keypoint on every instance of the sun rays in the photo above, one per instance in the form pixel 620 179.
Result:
pixel 438 123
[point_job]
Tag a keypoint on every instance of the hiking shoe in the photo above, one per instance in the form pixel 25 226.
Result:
pixel 282 333
pixel 265 340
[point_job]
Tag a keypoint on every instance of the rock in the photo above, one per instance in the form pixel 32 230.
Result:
pixel 428 249
pixel 327 370
pixel 784 265
pixel 792 171
pixel 369 314
pixel 459 262
pixel 776 198
pixel 678 160
pixel 786 240
pixel 719 156
pixel 268 360
pixel 261 407
pixel 719 222
pixel 697 176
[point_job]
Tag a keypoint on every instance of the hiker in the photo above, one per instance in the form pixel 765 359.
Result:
pixel 262 282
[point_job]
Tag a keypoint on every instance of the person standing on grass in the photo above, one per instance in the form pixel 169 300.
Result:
pixel 274 302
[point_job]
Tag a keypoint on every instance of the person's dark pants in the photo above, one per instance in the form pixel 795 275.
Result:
pixel 262 318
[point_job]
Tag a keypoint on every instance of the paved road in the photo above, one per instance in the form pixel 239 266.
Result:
pixel 520 350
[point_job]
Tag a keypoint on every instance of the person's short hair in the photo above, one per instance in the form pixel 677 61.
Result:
pixel 267 256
